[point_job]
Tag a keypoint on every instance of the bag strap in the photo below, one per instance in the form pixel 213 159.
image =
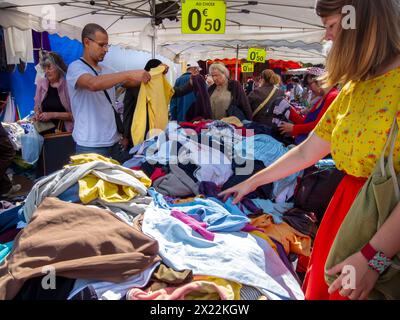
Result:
pixel 60 126
pixel 117 118
pixel 392 142
pixel 263 104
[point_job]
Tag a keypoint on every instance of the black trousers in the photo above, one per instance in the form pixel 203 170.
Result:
pixel 7 154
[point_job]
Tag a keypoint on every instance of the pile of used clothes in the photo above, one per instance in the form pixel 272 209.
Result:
pixel 155 228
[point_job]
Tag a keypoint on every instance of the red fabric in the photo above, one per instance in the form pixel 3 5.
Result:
pixel 303 263
pixel 295 117
pixel 198 126
pixel 368 251
pixel 157 173
pixel 242 131
pixel 314 285
pixel 301 128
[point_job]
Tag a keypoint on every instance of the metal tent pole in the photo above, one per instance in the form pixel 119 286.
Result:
pixel 153 24
pixel 237 62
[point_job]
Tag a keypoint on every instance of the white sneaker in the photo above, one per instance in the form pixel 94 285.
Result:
pixel 15 188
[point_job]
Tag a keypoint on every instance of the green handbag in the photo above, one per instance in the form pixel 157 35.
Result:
pixel 372 206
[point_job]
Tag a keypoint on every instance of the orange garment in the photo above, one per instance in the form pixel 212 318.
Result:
pixel 291 239
pixel 187 200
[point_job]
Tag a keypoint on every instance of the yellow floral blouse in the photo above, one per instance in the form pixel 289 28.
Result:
pixel 358 123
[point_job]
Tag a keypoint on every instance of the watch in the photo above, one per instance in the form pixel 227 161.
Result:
pixel 377 260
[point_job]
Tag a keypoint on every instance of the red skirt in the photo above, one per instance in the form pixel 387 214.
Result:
pixel 315 287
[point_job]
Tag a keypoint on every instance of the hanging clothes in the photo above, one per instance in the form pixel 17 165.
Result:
pixel 40 42
pixel 3 54
pixel 152 105
pixel 19 45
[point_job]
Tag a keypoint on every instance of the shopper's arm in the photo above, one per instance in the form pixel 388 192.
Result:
pixel 107 81
pixel 47 116
pixel 299 158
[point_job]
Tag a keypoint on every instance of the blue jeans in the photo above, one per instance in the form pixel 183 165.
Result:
pixel 114 152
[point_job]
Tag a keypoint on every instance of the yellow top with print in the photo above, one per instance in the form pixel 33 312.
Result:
pixel 358 123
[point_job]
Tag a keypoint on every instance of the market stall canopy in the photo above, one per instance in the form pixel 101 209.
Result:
pixel 276 49
pixel 129 23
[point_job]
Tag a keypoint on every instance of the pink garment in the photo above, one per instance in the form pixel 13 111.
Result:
pixel 199 227
pixel 177 293
pixel 41 91
pixel 248 228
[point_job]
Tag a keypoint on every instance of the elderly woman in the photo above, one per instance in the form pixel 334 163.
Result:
pixel 303 125
pixel 227 97
pixel 52 100
pixel 258 98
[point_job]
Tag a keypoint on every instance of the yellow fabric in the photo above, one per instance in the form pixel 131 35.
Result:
pixel 232 288
pixel 153 101
pixel 233 120
pixel 92 187
pixel 262 235
pixel 358 122
pixel 89 157
pixel 291 239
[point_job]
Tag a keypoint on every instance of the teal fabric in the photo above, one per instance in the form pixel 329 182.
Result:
pixel 5 249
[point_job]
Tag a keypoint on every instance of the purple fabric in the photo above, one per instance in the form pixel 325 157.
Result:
pixel 284 258
pixel 249 228
pixel 199 227
pixel 209 189
pixel 201 107
pixel 9 235
pixel 40 41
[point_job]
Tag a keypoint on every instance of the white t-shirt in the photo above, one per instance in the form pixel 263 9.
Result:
pixel 94 120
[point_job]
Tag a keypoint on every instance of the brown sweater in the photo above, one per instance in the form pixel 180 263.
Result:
pixel 79 242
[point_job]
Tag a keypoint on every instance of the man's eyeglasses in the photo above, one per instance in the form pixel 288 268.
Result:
pixel 104 46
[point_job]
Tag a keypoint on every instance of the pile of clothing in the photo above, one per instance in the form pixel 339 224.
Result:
pixel 155 228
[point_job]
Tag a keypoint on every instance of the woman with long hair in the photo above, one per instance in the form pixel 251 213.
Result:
pixel 366 60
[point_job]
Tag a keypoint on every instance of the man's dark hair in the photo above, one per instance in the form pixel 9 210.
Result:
pixel 90 29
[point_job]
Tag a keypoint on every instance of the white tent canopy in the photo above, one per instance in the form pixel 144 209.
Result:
pixel 288 29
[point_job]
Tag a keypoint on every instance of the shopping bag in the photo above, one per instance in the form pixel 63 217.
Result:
pixel 41 126
pixel 372 206
pixel 31 145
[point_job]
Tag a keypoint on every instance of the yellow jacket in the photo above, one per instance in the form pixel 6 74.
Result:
pixel 153 101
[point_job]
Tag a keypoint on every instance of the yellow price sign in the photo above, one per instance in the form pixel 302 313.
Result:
pixel 256 55
pixel 247 67
pixel 203 17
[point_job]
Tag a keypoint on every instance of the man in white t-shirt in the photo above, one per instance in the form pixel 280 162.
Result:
pixel 95 128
